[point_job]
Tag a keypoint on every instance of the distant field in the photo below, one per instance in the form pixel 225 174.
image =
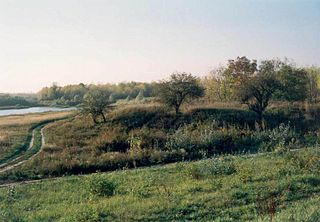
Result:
pixel 15 131
pixel 285 187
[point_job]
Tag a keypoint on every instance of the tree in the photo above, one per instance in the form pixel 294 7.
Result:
pixel 237 72
pixel 313 83
pixel 217 86
pixel 179 88
pixel 294 83
pixel 95 102
pixel 258 89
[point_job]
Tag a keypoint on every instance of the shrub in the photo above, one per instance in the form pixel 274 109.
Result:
pixel 223 166
pixel 99 185
pixel 282 137
pixel 207 138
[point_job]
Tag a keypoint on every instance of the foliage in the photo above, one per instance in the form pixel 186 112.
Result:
pixel 282 137
pixel 100 185
pixel 259 88
pixel 294 83
pixel 94 103
pixel 237 73
pixel 74 94
pixel 209 138
pixel 12 101
pixel 313 83
pixel 217 85
pixel 179 88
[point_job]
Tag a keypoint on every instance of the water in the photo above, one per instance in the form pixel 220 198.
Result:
pixel 9 112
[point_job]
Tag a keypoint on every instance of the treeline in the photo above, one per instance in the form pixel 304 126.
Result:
pixel 293 83
pixel 240 79
pixel 12 101
pixel 74 94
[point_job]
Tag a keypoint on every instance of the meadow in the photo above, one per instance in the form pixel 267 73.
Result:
pixel 16 132
pixel 269 187
pixel 211 162
pixel 149 134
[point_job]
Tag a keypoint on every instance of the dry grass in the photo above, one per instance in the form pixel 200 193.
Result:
pixel 31 118
pixel 14 130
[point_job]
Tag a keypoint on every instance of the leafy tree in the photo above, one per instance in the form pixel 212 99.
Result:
pixel 313 83
pixel 217 86
pixel 179 88
pixel 258 89
pixel 229 79
pixel 237 72
pixel 294 83
pixel 95 102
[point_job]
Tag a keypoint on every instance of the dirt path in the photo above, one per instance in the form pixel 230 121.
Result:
pixel 20 159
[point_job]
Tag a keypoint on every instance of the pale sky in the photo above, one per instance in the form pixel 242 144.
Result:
pixel 98 41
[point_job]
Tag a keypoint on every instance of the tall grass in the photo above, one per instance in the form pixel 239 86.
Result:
pixel 143 135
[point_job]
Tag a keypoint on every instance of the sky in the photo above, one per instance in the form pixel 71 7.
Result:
pixel 99 41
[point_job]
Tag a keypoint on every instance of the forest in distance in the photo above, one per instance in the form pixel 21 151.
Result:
pixel 297 84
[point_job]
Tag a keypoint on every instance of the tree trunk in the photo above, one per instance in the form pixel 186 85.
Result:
pixel 94 119
pixel 103 117
pixel 177 109
pixel 260 118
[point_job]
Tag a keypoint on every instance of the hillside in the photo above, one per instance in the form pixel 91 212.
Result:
pixel 228 188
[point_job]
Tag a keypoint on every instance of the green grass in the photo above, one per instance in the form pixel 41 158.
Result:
pixel 225 189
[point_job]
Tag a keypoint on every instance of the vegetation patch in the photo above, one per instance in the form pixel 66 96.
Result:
pixel 228 189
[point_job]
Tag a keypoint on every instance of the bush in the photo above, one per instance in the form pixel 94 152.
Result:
pixel 99 185
pixel 282 137
pixel 223 166
pixel 207 138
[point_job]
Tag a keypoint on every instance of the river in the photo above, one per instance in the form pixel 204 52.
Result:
pixel 9 112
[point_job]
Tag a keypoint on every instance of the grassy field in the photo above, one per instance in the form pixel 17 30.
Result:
pixel 15 132
pixel 282 186
pixel 148 134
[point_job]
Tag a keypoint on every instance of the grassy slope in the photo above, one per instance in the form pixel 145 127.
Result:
pixel 231 189
pixel 16 132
